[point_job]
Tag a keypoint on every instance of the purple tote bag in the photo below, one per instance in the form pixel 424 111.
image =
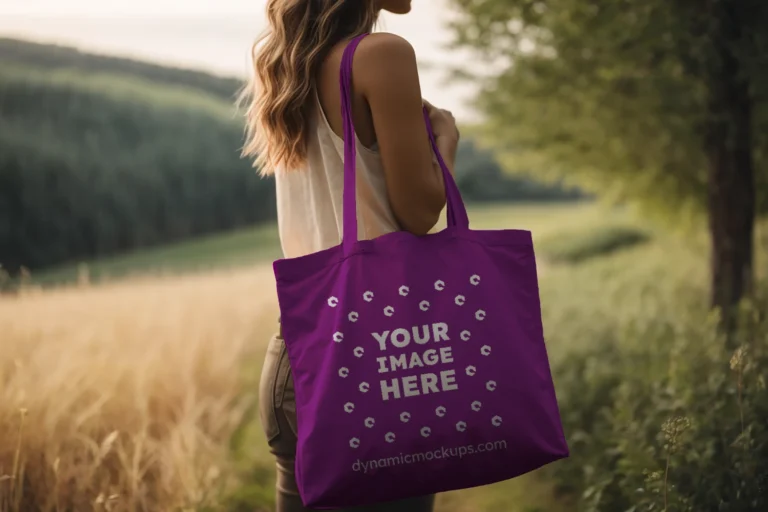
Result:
pixel 419 363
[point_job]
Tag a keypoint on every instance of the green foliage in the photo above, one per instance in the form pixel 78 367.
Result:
pixel 648 389
pixel 580 245
pixel 614 96
pixel 626 425
pixel 91 165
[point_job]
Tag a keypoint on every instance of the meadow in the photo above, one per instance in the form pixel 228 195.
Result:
pixel 139 392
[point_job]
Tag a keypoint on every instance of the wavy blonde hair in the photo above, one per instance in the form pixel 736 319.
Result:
pixel 286 60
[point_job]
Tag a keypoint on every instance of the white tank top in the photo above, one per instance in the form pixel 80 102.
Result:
pixel 309 200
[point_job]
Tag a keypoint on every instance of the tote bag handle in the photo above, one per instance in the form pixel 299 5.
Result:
pixel 457 213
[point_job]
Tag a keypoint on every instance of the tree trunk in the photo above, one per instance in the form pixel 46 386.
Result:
pixel 731 176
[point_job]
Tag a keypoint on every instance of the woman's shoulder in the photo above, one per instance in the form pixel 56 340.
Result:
pixel 377 56
pixel 385 46
pixel 383 59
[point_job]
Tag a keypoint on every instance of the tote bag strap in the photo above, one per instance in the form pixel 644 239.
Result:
pixel 457 213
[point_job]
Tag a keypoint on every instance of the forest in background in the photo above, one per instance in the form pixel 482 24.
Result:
pixel 102 155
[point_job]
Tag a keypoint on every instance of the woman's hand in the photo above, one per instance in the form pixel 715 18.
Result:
pixel 443 122
pixel 446 134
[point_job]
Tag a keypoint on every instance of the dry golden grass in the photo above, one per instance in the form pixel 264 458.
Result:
pixel 122 397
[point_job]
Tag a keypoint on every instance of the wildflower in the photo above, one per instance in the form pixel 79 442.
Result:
pixel 652 476
pixel 739 358
pixel 672 429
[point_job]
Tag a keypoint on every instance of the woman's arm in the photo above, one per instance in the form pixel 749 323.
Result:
pixel 386 75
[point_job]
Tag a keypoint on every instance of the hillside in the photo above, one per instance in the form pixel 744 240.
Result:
pixel 102 155
pixel 54 57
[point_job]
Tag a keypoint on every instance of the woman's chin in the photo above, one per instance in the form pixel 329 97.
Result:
pixel 397 6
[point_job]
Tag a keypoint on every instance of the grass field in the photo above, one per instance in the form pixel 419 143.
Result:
pixel 236 249
pixel 259 245
pixel 139 394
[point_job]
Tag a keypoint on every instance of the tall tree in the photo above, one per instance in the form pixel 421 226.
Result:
pixel 663 101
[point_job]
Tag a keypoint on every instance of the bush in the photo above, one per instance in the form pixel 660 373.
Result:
pixel 580 245
pixel 666 416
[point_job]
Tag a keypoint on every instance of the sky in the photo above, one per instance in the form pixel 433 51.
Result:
pixel 214 35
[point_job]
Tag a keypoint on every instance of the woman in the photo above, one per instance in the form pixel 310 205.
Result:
pixel 295 132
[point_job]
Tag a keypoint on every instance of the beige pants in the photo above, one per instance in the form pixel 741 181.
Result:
pixel 278 416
